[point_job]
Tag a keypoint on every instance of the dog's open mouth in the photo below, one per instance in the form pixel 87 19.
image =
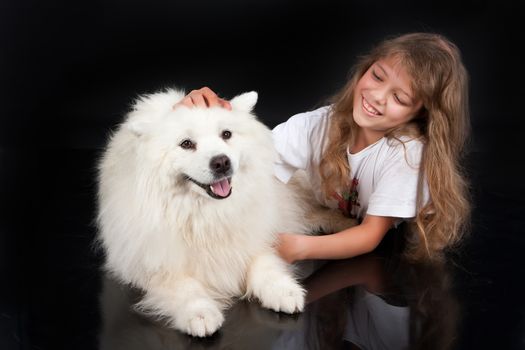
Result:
pixel 219 190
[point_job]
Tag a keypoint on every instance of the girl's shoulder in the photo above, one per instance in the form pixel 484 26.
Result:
pixel 408 147
pixel 311 118
pixel 311 125
pixel 404 141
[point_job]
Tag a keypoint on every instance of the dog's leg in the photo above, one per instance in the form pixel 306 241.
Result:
pixel 270 280
pixel 327 220
pixel 315 217
pixel 186 305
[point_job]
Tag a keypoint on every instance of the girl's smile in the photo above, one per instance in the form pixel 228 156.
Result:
pixel 369 109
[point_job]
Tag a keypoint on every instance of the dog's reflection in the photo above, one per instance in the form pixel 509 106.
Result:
pixel 247 325
pixel 369 302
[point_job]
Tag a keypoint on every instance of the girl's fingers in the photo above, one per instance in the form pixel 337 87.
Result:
pixel 198 100
pixel 186 101
pixel 204 97
pixel 225 104
pixel 209 95
pixel 211 98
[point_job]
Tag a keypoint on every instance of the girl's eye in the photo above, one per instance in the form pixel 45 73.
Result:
pixel 226 134
pixel 377 77
pixel 399 100
pixel 187 144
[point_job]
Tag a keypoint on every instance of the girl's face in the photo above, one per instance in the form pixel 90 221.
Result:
pixel 383 98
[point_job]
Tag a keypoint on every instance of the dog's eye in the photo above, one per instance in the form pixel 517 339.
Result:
pixel 187 144
pixel 226 134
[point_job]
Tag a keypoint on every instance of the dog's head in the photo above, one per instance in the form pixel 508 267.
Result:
pixel 203 150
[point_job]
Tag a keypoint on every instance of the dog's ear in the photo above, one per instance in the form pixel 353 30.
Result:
pixel 138 127
pixel 244 102
pixel 149 108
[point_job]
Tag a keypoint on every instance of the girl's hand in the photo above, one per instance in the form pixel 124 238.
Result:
pixel 203 97
pixel 292 247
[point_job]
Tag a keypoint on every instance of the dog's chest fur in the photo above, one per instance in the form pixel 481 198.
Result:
pixel 220 241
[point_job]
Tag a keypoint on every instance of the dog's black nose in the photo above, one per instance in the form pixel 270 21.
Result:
pixel 220 165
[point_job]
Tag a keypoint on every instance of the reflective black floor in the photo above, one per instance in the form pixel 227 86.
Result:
pixel 53 295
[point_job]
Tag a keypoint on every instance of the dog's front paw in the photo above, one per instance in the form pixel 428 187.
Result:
pixel 283 295
pixel 200 318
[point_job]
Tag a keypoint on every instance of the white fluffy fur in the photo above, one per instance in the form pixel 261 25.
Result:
pixel 189 252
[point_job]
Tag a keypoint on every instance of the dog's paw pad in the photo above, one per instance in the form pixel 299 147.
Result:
pixel 201 319
pixel 283 296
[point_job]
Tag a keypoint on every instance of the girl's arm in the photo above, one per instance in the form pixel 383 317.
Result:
pixel 353 241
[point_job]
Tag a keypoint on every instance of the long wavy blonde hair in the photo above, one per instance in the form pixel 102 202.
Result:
pixel 440 81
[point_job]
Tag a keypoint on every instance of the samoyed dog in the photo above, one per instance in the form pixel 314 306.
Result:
pixel 189 209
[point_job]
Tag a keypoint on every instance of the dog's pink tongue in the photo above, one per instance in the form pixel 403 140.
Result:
pixel 221 188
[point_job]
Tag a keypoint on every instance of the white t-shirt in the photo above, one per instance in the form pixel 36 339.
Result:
pixel 384 175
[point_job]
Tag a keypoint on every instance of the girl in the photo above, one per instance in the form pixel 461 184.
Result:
pixel 387 149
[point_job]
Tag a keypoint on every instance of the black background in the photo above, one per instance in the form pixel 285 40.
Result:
pixel 70 69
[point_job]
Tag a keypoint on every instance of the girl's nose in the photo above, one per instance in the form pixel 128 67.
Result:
pixel 379 95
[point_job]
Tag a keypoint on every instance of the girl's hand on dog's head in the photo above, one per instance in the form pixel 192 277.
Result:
pixel 203 97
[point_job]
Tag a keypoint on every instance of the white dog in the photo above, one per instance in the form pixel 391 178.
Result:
pixel 189 209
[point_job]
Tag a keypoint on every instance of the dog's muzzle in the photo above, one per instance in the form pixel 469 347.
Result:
pixel 220 166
